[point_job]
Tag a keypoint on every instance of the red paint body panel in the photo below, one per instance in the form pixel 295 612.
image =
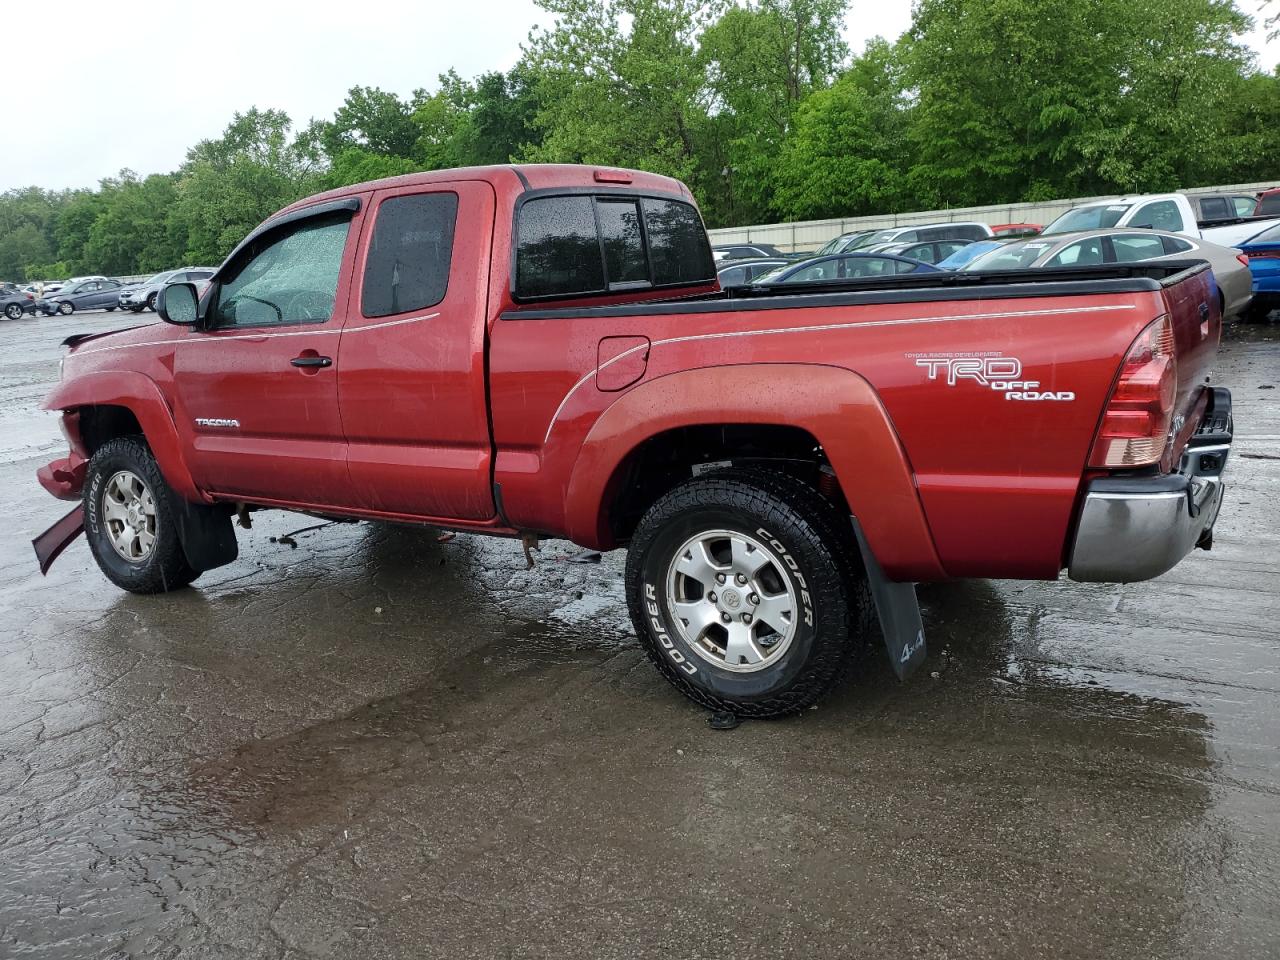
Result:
pixel 423 415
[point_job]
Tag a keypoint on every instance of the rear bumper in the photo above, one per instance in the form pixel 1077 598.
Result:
pixel 1136 528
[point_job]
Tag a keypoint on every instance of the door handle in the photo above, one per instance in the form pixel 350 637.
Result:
pixel 312 361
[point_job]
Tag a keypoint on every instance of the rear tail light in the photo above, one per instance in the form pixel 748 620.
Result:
pixel 1243 258
pixel 1135 427
pixel 1262 255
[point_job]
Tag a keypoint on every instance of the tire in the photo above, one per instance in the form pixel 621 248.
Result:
pixel 13 311
pixel 805 557
pixel 66 308
pixel 151 302
pixel 126 466
pixel 110 309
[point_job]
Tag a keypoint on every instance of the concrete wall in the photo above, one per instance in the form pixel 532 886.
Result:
pixel 811 234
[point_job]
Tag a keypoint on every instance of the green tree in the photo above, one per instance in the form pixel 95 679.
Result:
pixel 845 155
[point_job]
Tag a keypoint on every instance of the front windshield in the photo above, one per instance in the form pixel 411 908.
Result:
pixel 1096 217
pixel 772 275
pixel 830 246
pixel 968 253
pixel 1011 256
pixel 883 236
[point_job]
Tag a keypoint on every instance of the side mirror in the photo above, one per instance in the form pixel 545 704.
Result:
pixel 178 303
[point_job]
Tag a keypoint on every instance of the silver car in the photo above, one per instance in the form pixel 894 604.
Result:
pixel 1134 245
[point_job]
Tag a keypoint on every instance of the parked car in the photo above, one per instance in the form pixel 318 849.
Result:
pixel 143 296
pixel 844 266
pixel 968 253
pixel 14 303
pixel 82 293
pixel 1011 231
pixel 841 244
pixel 927 231
pixel 927 251
pixel 1171 212
pixel 745 271
pixel 1263 254
pixel 777 463
pixel 746 251
pixel 1268 203
pixel 1098 247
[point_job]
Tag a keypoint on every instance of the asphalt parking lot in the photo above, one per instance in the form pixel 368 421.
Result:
pixel 374 744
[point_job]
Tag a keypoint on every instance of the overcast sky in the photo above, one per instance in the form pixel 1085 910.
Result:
pixel 89 87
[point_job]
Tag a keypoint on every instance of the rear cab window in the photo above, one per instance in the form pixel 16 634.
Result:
pixel 593 244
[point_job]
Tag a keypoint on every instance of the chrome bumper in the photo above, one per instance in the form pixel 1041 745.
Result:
pixel 1136 528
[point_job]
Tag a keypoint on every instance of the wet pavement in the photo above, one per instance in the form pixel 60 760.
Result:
pixel 378 745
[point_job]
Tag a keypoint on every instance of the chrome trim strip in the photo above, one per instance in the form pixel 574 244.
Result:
pixel 327 332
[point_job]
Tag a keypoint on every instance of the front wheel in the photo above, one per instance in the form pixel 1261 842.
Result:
pixel 66 308
pixel 128 522
pixel 747 593
pixel 151 302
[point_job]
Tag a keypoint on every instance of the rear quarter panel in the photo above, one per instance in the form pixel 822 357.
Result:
pixel 997 478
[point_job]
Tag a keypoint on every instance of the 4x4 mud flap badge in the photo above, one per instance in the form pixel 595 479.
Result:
pixel 898 610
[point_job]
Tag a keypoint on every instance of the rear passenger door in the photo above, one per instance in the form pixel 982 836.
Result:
pixel 411 373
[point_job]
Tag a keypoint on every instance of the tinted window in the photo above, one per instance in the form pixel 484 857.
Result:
pixel 677 242
pixel 759 269
pixel 1161 215
pixel 1175 245
pixel 624 260
pixel 290 276
pixel 1268 206
pixel 1211 207
pixel 732 276
pixel 1084 253
pixel 408 263
pixel 900 267
pixel 559 253
pixel 1130 249
pixel 199 274
pixel 826 270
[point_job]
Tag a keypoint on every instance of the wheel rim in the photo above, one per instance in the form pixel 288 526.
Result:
pixel 731 600
pixel 129 516
pixel 13 313
pixel 66 308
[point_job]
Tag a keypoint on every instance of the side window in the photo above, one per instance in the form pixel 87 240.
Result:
pixel 1176 245
pixel 911 236
pixel 1131 249
pixel 199 274
pixel 624 259
pixel 901 267
pixel 1244 206
pixel 407 267
pixel 1160 215
pixel 677 243
pixel 868 267
pixel 1214 207
pixel 827 270
pixel 289 276
pixel 973 232
pixel 947 247
pixel 1085 253
pixel 178 277
pixel 733 276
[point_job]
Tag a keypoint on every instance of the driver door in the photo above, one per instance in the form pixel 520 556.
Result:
pixel 256 386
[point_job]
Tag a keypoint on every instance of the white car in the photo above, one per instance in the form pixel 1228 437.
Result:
pixel 1171 212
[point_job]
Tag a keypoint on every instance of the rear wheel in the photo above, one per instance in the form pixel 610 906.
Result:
pixel 747 593
pixel 128 521
pixel 13 311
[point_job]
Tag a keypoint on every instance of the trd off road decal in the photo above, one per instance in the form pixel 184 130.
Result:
pixel 990 370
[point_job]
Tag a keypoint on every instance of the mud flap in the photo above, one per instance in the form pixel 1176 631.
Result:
pixel 206 533
pixel 898 610
pixel 50 544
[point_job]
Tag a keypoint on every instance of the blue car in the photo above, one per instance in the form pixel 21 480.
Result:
pixel 845 266
pixel 1263 251
pixel 969 253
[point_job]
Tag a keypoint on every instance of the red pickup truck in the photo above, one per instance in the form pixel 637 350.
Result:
pixel 534 351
